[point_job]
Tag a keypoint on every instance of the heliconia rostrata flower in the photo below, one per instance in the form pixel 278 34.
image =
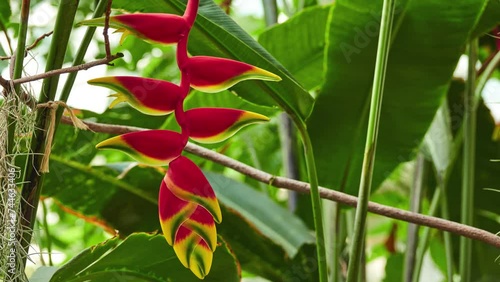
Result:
pixel 187 205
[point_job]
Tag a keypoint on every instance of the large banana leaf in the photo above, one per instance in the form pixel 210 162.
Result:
pixel 306 33
pixel 428 39
pixel 216 34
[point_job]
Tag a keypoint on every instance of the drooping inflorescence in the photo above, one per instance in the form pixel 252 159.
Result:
pixel 188 207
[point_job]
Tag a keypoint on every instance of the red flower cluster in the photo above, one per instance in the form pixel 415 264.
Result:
pixel 188 207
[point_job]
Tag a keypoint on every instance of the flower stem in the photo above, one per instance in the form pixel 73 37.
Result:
pixel 18 70
pixel 316 201
pixel 468 162
pixel 191 11
pixel 371 140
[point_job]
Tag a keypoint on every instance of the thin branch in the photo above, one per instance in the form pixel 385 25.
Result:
pixel 106 28
pixel 34 44
pixel 31 47
pixel 325 193
pixel 86 66
pixel 7 37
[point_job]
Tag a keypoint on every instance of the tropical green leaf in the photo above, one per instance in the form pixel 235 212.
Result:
pixel 5 12
pixel 43 274
pixel 299 44
pixel 438 254
pixel 438 140
pixel 99 195
pixel 488 20
pixel 142 257
pixel 216 34
pixel 428 39
pixel 394 268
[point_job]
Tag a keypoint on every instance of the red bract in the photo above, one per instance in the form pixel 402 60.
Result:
pixel 152 147
pixel 188 183
pixel 193 252
pixel 211 125
pixel 150 96
pixel 211 74
pixel 187 205
pixel 159 28
pixel 173 212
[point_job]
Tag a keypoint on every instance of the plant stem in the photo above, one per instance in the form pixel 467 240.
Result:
pixel 316 201
pixel 448 246
pixel 424 240
pixel 47 232
pixel 32 178
pixel 270 12
pixel 334 238
pixel 21 43
pixel 486 74
pixel 80 54
pixel 286 129
pixel 18 70
pixel 468 162
pixel 419 177
pixel 371 140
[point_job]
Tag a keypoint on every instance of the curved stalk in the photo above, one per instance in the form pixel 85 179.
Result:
pixel 316 201
pixel 371 140
pixel 468 162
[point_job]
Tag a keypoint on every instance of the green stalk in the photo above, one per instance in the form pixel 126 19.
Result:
pixel 424 240
pixel 270 12
pixel 448 246
pixel 80 55
pixel 468 162
pixel 488 71
pixel 47 232
pixel 32 178
pixel 334 239
pixel 18 68
pixel 21 43
pixel 371 140
pixel 416 196
pixel 316 201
